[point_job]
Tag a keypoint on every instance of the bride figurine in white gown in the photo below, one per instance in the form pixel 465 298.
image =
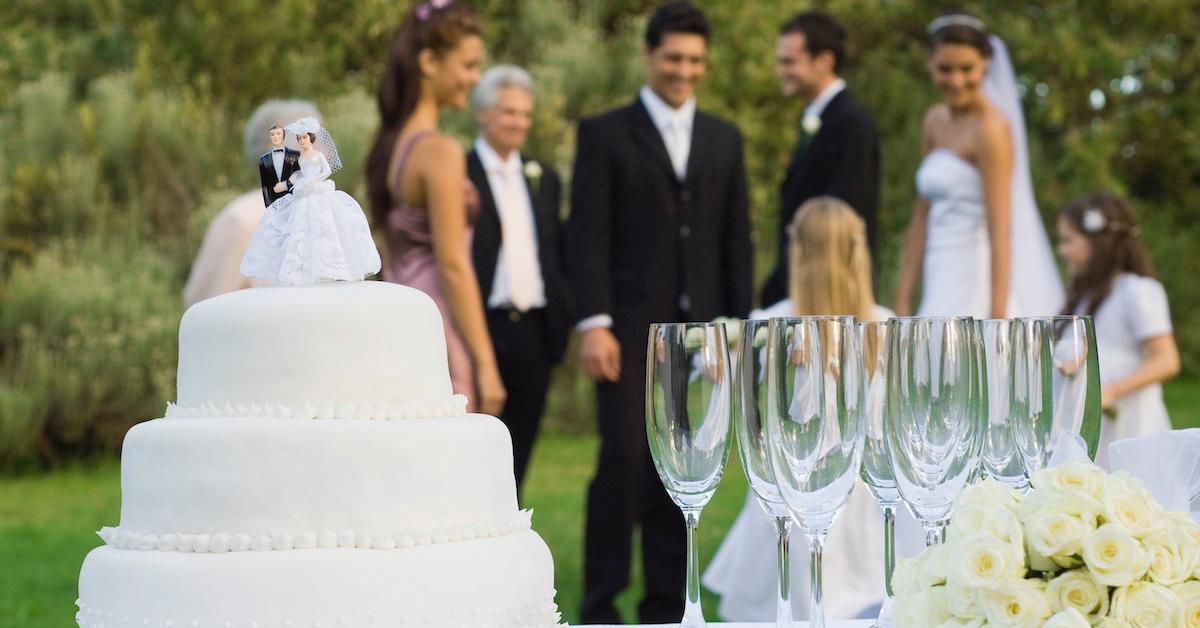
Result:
pixel 975 239
pixel 316 233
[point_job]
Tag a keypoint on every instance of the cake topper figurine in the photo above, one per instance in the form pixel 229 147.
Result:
pixel 276 166
pixel 311 232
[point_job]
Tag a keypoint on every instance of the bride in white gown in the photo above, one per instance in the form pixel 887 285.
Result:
pixel 975 239
pixel 316 233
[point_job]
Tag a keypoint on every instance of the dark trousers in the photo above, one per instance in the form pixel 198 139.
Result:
pixel 625 493
pixel 524 363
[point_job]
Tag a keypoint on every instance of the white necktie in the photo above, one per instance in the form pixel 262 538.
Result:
pixel 519 243
pixel 676 136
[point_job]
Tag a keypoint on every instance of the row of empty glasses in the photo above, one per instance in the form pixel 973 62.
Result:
pixel 916 407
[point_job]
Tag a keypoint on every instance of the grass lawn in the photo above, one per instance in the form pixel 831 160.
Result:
pixel 47 522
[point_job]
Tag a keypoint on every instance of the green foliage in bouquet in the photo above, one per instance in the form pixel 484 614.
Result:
pixel 1083 548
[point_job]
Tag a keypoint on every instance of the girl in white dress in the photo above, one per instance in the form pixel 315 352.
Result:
pixel 975 243
pixel 316 233
pixel 829 273
pixel 1112 279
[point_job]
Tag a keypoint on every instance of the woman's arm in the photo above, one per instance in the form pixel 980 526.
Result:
pixel 443 171
pixel 995 159
pixel 913 254
pixel 1160 362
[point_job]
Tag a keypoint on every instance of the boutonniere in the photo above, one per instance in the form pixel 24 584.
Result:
pixel 533 172
pixel 811 123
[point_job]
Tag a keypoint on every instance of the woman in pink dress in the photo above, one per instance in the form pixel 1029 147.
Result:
pixel 421 197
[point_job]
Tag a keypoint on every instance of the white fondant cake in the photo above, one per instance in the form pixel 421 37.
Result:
pixel 234 513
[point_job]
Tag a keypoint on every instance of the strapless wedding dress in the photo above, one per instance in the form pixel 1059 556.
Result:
pixel 956 277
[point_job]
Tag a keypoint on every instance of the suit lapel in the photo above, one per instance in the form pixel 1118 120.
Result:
pixel 647 135
pixel 486 240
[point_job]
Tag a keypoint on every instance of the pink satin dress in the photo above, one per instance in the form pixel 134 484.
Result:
pixel 411 262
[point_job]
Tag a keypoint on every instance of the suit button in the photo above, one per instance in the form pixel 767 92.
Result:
pixel 685 196
pixel 685 231
pixel 514 316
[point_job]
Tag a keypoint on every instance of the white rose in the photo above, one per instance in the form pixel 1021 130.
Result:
pixel 811 123
pixel 963 603
pixel 1128 504
pixel 1189 527
pixel 533 170
pixel 982 560
pixel 1074 477
pixel 1067 618
pixel 1114 557
pixel 1174 555
pixel 1057 530
pixel 1109 622
pixel 987 506
pixel 1016 603
pixel 1189 596
pixel 989 493
pixel 934 565
pixel 927 608
pixel 1079 590
pixel 957 622
pixel 1147 605
pixel 906 578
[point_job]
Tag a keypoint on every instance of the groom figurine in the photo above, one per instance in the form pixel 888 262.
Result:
pixel 276 166
pixel 659 232
pixel 837 153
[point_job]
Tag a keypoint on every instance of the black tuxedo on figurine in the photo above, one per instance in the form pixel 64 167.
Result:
pixel 528 343
pixel 645 247
pixel 841 160
pixel 268 176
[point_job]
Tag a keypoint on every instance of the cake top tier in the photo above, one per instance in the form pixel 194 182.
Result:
pixel 346 350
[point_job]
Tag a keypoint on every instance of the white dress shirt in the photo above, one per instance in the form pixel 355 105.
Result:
pixel 518 280
pixel 818 104
pixel 675 127
pixel 277 157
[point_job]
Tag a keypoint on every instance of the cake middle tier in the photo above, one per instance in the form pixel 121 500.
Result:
pixel 279 477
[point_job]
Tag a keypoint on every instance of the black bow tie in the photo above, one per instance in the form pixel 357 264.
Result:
pixel 277 150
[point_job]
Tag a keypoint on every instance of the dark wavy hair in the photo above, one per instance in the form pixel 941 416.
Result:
pixel 961 29
pixel 677 16
pixel 438 27
pixel 821 33
pixel 1116 248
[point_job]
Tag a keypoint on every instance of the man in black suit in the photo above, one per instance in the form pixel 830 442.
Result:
pixel 658 232
pixel 837 153
pixel 276 166
pixel 517 253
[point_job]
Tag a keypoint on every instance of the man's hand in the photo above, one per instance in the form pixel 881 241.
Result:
pixel 601 354
pixel 280 187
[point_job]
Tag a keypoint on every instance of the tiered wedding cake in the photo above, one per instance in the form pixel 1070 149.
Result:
pixel 318 471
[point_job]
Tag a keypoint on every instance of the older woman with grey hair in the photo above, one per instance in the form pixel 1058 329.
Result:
pixel 516 251
pixel 215 270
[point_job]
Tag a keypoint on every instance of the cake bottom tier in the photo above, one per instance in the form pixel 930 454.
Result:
pixel 504 581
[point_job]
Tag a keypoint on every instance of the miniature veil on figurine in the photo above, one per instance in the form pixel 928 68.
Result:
pixel 311 232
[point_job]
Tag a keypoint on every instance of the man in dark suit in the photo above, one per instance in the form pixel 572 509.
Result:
pixel 276 166
pixel 837 153
pixel 517 253
pixel 658 232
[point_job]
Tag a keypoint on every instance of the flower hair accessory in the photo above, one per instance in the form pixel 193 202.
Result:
pixel 1094 221
pixel 425 11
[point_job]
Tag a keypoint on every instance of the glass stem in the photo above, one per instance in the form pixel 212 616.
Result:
pixel 783 603
pixel 693 615
pixel 816 544
pixel 935 533
pixel 889 547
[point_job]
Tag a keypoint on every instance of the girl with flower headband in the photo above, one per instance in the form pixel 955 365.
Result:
pixel 1112 279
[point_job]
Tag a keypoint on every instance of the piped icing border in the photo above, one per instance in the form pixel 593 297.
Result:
pixel 221 542
pixel 455 405
pixel 540 612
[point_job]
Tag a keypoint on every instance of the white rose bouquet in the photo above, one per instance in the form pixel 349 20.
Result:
pixel 1082 548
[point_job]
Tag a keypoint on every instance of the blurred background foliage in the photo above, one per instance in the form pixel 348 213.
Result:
pixel 121 125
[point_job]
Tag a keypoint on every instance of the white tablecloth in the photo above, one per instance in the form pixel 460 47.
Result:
pixel 850 623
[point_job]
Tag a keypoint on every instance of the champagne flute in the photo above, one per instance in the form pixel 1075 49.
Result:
pixel 931 414
pixel 688 393
pixel 877 464
pixel 750 423
pixel 999 454
pixel 814 425
pixel 1055 386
